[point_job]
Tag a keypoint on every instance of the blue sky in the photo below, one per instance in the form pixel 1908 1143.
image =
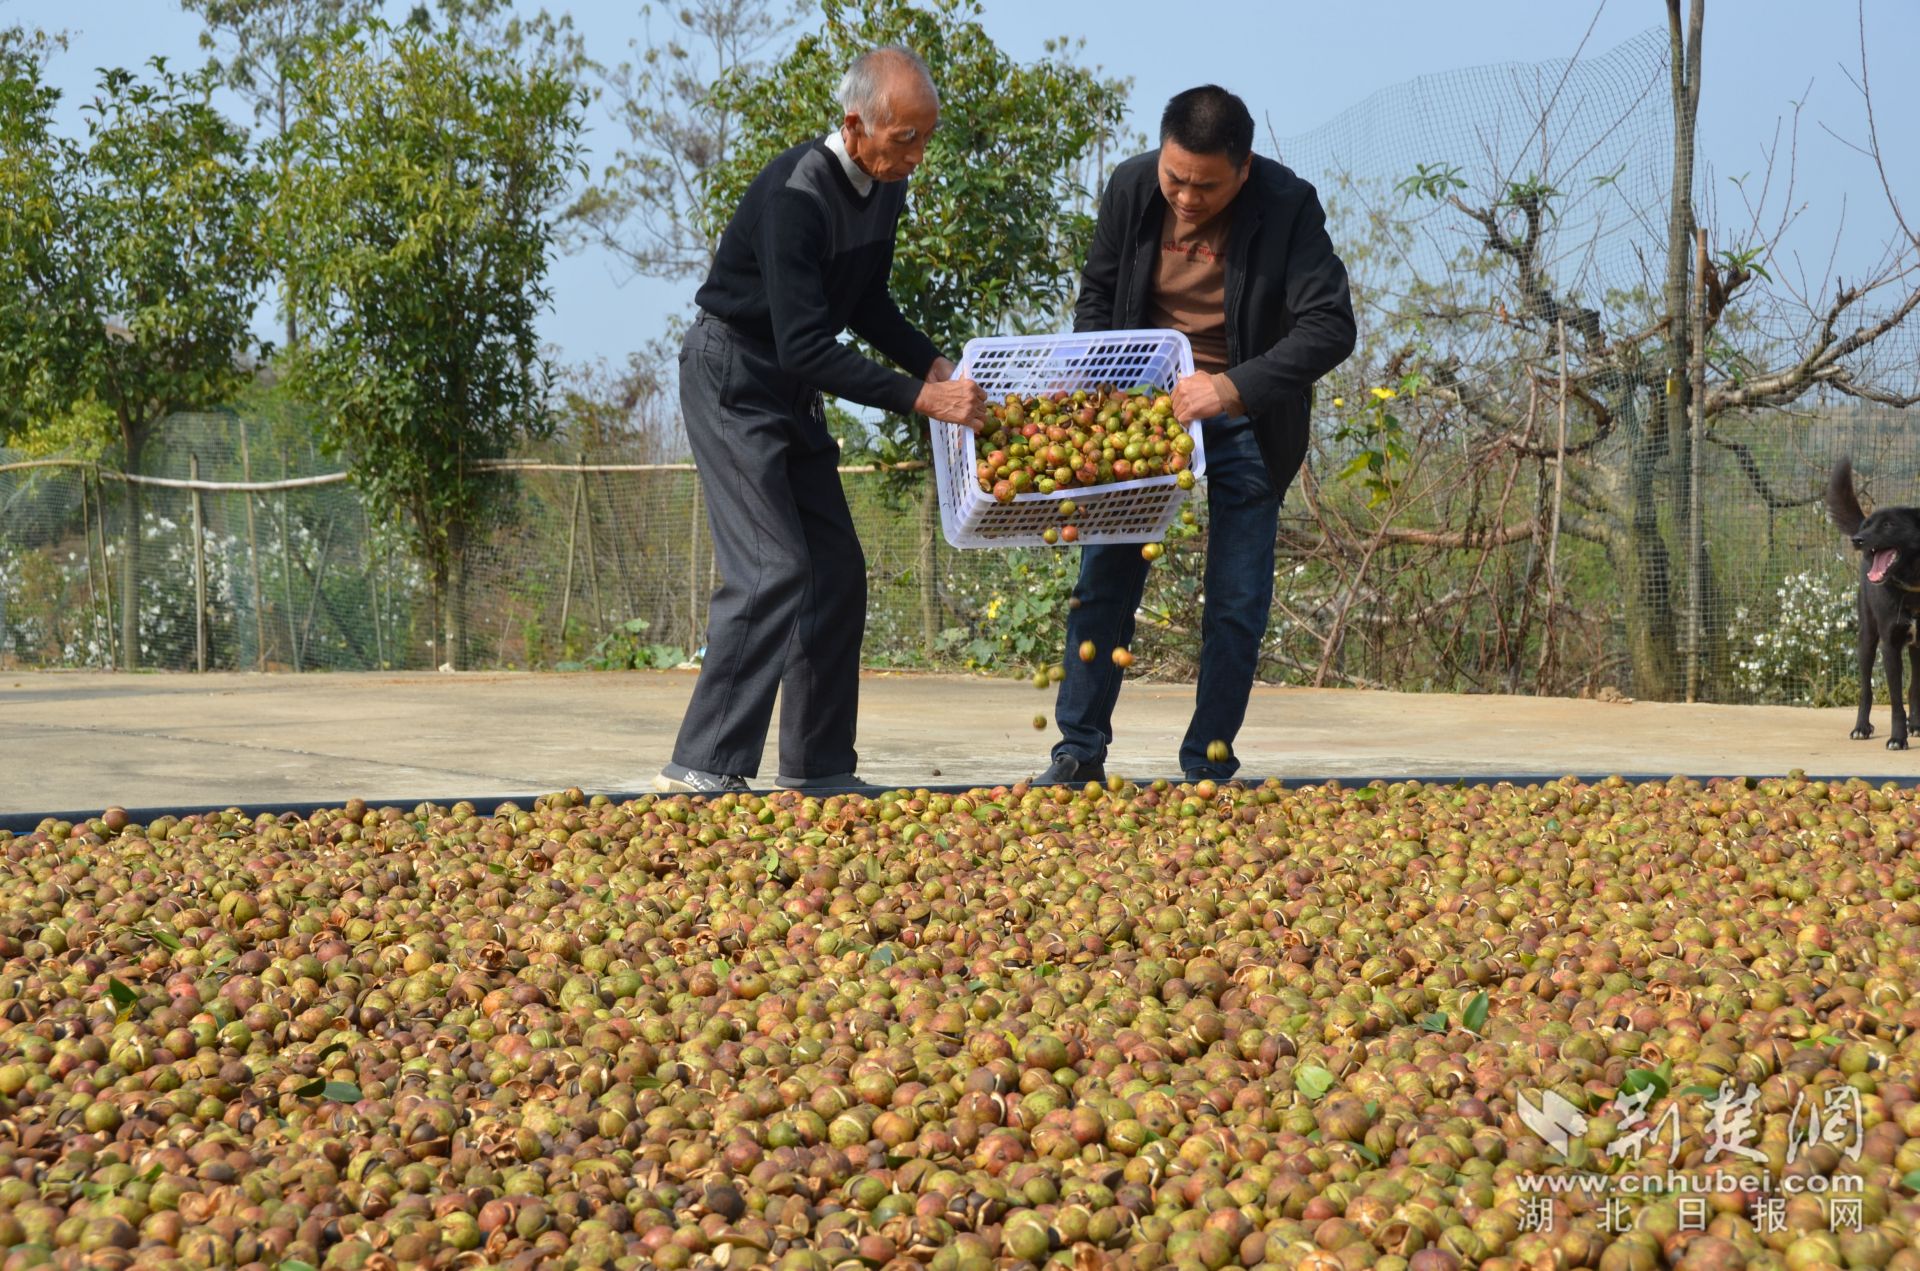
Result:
pixel 1298 65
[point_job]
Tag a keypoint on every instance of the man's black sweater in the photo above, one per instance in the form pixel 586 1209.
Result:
pixel 806 257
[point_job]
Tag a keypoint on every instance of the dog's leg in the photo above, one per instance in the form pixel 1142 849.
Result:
pixel 1894 643
pixel 1913 670
pixel 1869 638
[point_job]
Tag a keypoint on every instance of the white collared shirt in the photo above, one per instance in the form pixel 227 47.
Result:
pixel 862 183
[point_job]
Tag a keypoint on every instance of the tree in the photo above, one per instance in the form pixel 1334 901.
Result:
pixel 18 38
pixel 999 215
pixel 648 208
pixel 414 214
pixel 254 43
pixel 1688 358
pixel 130 263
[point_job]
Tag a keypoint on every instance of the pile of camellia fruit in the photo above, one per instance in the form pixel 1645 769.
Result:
pixel 1109 1027
pixel 1067 441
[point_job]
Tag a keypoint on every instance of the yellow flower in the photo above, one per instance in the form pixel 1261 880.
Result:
pixel 1339 402
pixel 993 609
pixel 1382 394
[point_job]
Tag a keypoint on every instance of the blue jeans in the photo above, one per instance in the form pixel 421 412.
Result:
pixel 1243 516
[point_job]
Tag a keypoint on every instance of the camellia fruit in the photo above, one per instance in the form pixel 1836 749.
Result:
pixel 1122 658
pixel 1061 441
pixel 1087 650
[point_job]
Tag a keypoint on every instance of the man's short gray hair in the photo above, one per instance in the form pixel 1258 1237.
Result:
pixel 866 88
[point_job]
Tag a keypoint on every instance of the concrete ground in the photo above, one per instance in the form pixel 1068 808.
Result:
pixel 77 741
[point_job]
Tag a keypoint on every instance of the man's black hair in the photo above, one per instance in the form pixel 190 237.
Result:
pixel 1209 120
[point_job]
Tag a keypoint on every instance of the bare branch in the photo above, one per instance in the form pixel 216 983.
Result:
pixel 1750 468
pixel 1469 539
pixel 1820 364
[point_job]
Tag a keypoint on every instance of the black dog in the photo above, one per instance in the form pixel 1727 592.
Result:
pixel 1889 543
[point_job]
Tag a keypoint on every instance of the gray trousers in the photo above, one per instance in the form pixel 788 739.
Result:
pixel 791 608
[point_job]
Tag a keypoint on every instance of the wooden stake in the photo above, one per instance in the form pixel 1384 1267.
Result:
pixel 199 572
pixel 253 562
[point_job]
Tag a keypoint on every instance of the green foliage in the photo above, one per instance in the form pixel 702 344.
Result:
pixel 998 218
pixel 128 261
pixel 626 649
pixel 253 42
pixel 1529 193
pixel 1431 181
pixel 1745 261
pixel 79 432
pixel 1313 1081
pixel 1022 622
pixel 1657 1080
pixel 1381 456
pixel 414 218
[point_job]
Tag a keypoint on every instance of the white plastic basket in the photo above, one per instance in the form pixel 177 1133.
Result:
pixel 1029 365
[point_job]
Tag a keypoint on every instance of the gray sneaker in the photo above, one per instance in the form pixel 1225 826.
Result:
pixel 837 781
pixel 1065 770
pixel 675 779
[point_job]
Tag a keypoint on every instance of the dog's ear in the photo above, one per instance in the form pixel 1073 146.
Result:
pixel 1842 504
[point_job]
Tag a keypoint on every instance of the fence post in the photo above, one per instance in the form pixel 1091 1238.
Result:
pixel 1696 572
pixel 622 570
pixel 373 589
pixel 693 569
pixel 927 566
pixel 593 555
pixel 199 573
pixel 86 534
pixel 1553 535
pixel 573 527
pixel 106 569
pixel 286 571
pixel 253 562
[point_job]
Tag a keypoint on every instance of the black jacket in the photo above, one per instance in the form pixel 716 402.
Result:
pixel 1289 311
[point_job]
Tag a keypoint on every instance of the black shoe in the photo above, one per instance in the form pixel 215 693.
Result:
pixel 1065 770
pixel 838 783
pixel 675 779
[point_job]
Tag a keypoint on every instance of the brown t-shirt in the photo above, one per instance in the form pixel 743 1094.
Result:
pixel 1190 287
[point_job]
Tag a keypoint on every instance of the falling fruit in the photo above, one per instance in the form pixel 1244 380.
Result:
pixel 1073 602
pixel 1217 751
pixel 1039 721
pixel 1068 534
pixel 1056 673
pixel 1067 508
pixel 1050 536
pixel 1122 658
pixel 1152 551
pixel 1087 650
pixel 1185 479
pixel 1040 677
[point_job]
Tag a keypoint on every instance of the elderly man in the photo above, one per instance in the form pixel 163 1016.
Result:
pixel 1205 237
pixel 805 257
